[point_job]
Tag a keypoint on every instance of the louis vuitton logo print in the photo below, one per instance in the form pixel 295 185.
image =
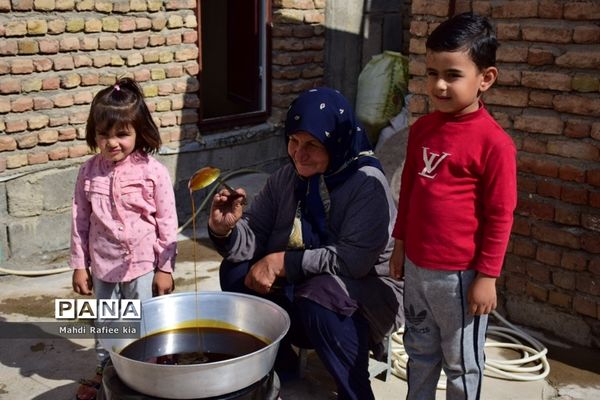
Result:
pixel 432 161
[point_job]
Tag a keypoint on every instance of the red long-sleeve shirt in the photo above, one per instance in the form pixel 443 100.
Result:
pixel 458 193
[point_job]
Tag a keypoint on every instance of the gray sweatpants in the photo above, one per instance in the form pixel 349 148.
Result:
pixel 440 333
pixel 139 288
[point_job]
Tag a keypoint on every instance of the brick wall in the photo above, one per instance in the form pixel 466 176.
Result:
pixel 56 54
pixel 547 98
pixel 298 50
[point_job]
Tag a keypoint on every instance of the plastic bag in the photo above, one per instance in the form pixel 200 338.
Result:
pixel 382 85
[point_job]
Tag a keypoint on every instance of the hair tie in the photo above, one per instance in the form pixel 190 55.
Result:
pixel 117 87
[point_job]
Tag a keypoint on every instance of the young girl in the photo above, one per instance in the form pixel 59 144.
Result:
pixel 124 225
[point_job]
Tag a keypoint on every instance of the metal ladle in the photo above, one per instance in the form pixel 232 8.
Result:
pixel 205 177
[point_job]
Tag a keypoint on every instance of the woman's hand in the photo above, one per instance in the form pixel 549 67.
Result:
pixel 82 281
pixel 263 273
pixel 225 211
pixel 397 260
pixel 162 283
pixel 482 295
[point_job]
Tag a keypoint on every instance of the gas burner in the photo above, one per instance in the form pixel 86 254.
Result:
pixel 113 388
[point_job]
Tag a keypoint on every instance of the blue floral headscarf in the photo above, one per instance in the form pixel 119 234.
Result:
pixel 327 116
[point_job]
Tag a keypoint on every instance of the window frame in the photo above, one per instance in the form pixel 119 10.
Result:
pixel 265 57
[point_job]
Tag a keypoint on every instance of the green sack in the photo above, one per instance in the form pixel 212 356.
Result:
pixel 382 85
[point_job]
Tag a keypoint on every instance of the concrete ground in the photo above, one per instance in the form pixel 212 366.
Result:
pixel 49 368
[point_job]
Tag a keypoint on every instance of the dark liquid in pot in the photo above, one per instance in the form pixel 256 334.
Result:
pixel 192 346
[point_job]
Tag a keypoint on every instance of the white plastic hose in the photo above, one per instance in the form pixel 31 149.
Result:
pixel 533 364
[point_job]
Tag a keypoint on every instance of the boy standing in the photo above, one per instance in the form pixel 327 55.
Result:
pixel 455 213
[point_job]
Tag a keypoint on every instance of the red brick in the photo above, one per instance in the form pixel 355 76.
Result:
pixel 78 151
pixel 508 31
pixel 590 241
pixel 526 184
pixel 572 172
pixel 546 80
pixel 577 104
pixel 417 46
pixel 564 279
pixel 515 9
pixel 37 158
pixel 549 255
pixel 567 216
pixel 534 207
pixel 539 272
pixel 574 195
pixel 594 266
pixel 439 8
pixel 575 149
pixel 560 299
pixel 555 235
pixel 482 7
pixel 67 134
pixel 516 284
pixel 594 199
pixel 507 97
pixel 577 128
pixel 539 121
pixel 557 33
pixel 9 86
pixel 521 226
pixel 42 103
pixel 581 10
pixel 509 77
pixel 21 104
pixel 585 306
pixel 552 9
pixel 579 59
pixel 63 63
pixel 15 125
pixel 418 28
pixel 586 34
pixel 4 104
pixel 7 143
pixel 27 140
pixel 51 83
pixel 63 100
pixel 59 153
pixel 574 260
pixel 537 165
pixel 512 53
pixel 540 99
pixel 541 55
pixel 524 247
pixel 537 292
pixel 21 66
pixel 593 176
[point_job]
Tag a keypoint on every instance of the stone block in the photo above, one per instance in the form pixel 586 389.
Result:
pixel 23 197
pixel 35 235
pixel 522 310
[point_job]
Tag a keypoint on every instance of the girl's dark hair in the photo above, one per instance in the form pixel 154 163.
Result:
pixel 467 31
pixel 118 106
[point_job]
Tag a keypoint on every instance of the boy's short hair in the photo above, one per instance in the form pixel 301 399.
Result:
pixel 466 31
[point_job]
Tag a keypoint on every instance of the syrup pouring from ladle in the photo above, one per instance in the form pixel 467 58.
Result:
pixel 205 177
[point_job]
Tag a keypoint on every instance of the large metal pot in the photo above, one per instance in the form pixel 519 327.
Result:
pixel 249 314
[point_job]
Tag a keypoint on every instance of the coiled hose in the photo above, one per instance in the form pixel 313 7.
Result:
pixel 531 366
